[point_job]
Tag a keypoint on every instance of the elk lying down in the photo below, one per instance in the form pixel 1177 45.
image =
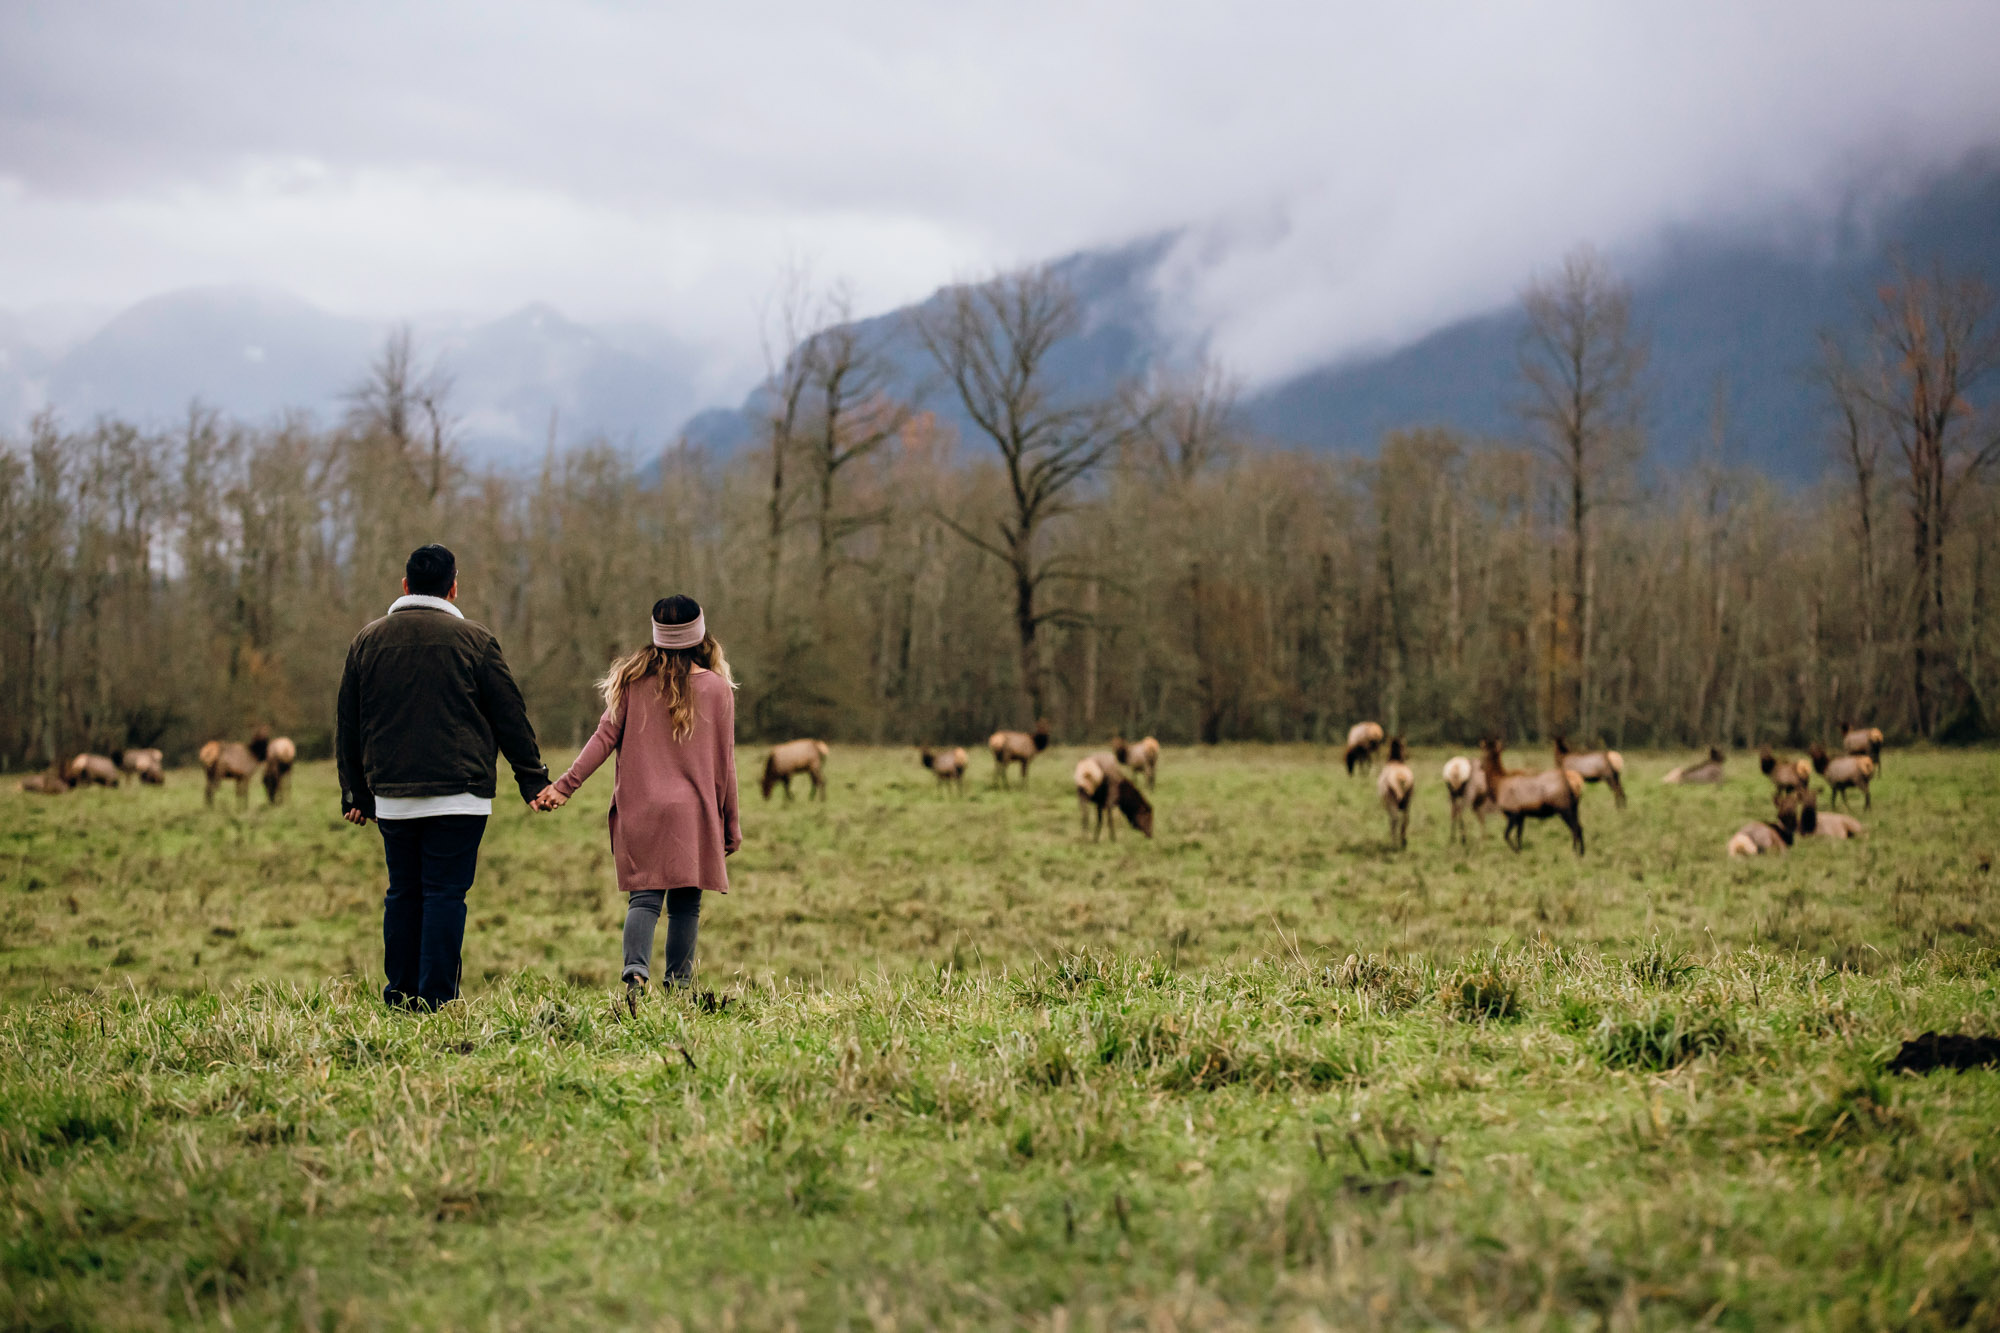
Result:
pixel 1523 796
pixel 1605 766
pixel 1017 747
pixel 1394 788
pixel 149 766
pixel 787 761
pixel 1363 739
pixel 1760 838
pixel 1793 775
pixel 91 770
pixel 1708 770
pixel 1845 773
pixel 1862 740
pixel 51 783
pixel 227 761
pixel 1102 784
pixel 1141 756
pixel 947 765
pixel 1839 827
pixel 1465 782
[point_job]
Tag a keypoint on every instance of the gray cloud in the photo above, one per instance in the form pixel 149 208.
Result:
pixel 1350 174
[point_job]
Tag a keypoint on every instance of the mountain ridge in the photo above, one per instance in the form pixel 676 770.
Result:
pixel 1731 318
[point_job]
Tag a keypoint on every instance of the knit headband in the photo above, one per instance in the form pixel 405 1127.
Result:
pixel 689 635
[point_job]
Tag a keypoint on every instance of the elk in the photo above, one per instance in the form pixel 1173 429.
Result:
pixel 1522 796
pixel 50 783
pixel 91 770
pixel 1605 766
pixel 149 766
pixel 1786 774
pixel 1017 747
pixel 948 765
pixel 1829 825
pixel 1465 782
pixel 1394 788
pixel 1862 740
pixel 1102 784
pixel 1709 770
pixel 279 755
pixel 227 761
pixel 1363 739
pixel 1142 756
pixel 1845 773
pixel 1757 839
pixel 787 761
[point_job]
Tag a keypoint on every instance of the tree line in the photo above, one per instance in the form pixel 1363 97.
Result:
pixel 1125 563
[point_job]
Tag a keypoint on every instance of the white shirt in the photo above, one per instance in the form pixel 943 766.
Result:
pixel 427 807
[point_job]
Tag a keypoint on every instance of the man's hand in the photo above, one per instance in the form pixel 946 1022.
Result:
pixel 548 798
pixel 354 816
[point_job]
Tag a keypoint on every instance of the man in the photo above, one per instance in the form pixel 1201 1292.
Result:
pixel 423 700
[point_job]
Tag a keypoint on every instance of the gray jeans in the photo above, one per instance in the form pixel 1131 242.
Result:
pixel 642 915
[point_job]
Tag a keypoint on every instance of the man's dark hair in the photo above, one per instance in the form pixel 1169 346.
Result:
pixel 431 571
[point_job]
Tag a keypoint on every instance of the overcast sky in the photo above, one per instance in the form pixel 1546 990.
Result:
pixel 1351 173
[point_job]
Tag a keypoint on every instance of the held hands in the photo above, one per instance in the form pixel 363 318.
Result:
pixel 548 798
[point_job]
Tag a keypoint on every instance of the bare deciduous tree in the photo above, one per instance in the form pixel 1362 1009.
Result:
pixel 396 401
pixel 1857 443
pixel 993 340
pixel 1582 361
pixel 1936 339
pixel 858 412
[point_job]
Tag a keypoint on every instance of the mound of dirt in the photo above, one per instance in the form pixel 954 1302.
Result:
pixel 1945 1050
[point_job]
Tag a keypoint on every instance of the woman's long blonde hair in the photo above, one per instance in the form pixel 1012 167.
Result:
pixel 668 666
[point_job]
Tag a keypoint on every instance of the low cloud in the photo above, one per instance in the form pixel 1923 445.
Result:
pixel 1347 177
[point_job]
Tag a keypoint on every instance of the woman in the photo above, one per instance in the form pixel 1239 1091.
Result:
pixel 670 713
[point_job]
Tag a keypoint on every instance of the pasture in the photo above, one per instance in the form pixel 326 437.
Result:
pixel 961 1067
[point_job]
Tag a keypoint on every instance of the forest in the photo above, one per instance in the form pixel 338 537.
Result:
pixel 1127 563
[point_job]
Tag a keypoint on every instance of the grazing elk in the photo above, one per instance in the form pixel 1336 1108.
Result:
pixel 1141 756
pixel 1605 766
pixel 1363 739
pixel 1522 796
pixel 1708 770
pixel 1017 747
pixel 1839 827
pixel 149 766
pixel 1760 838
pixel 1102 784
pixel 1787 775
pixel 947 765
pixel 787 761
pixel 91 770
pixel 1394 787
pixel 1465 782
pixel 279 756
pixel 1844 774
pixel 50 783
pixel 227 761
pixel 1862 740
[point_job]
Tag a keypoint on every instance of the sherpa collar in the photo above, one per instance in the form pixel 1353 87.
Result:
pixel 417 600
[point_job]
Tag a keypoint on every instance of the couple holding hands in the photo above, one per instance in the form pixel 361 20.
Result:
pixel 426 699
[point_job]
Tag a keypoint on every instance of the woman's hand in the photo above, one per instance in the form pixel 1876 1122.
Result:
pixel 548 798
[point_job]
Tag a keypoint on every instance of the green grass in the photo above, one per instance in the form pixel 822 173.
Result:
pixel 977 1071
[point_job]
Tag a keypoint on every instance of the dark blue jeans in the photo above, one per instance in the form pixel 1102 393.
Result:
pixel 431 864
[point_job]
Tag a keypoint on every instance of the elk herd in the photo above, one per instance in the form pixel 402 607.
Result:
pixel 1108 788
pixel 263 756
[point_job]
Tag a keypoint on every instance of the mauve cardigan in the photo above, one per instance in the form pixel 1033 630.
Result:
pixel 673 802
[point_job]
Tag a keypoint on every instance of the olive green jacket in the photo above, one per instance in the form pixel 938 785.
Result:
pixel 425 701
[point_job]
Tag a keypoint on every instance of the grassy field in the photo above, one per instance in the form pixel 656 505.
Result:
pixel 975 1071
